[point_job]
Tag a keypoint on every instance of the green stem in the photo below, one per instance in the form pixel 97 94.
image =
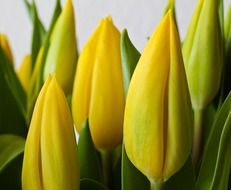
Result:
pixel 156 185
pixel 197 137
pixel 107 159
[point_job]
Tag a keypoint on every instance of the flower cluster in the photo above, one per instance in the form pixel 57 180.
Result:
pixel 158 120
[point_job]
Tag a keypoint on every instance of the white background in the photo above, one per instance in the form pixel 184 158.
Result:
pixel 140 17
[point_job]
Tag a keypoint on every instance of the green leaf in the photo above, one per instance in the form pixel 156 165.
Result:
pixel 208 118
pixel 12 100
pixel 37 36
pixel 183 179
pixel 215 150
pixel 11 156
pixel 116 168
pixel 88 156
pixel 10 147
pixel 222 169
pixel 35 87
pixel 132 178
pixel 29 8
pixel 89 184
pixel 226 81
pixel 129 58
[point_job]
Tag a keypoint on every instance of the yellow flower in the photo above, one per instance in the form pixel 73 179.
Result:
pixel 203 53
pixel 6 47
pixel 50 156
pixel 158 114
pixel 24 73
pixel 62 54
pixel 98 88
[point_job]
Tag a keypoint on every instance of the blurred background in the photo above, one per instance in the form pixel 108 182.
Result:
pixel 140 17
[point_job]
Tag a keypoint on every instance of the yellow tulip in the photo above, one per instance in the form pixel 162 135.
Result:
pixel 62 54
pixel 24 73
pixel 4 43
pixel 203 53
pixel 98 88
pixel 158 113
pixel 50 156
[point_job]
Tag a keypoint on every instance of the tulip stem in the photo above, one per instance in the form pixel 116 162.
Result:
pixel 156 185
pixel 107 167
pixel 197 137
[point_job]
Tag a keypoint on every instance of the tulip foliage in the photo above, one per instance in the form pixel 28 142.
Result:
pixel 113 118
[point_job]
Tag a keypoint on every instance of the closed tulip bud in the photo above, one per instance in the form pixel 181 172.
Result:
pixel 62 54
pixel 98 88
pixel 50 156
pixel 24 73
pixel 157 138
pixel 6 47
pixel 203 53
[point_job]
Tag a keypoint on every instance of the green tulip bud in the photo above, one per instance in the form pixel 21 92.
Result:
pixel 203 53
pixel 62 54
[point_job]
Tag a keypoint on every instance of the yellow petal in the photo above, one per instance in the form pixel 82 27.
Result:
pixel 31 170
pixel 24 73
pixel 4 43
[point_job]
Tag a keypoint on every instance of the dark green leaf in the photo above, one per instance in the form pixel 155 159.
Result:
pixel 223 163
pixel 132 178
pixel 213 150
pixel 10 147
pixel 183 179
pixel 11 156
pixel 12 100
pixel 89 184
pixel 88 157
pixel 10 178
pixel 116 168
pixel 29 8
pixel 37 36
pixel 208 119
pixel 129 58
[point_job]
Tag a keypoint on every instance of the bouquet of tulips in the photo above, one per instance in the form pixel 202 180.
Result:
pixel 112 118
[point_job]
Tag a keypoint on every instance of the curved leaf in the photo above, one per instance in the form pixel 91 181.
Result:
pixel 10 147
pixel 132 178
pixel 129 58
pixel 183 179
pixel 12 100
pixel 29 8
pixel 89 184
pixel 88 158
pixel 223 164
pixel 11 156
pixel 213 148
pixel 37 36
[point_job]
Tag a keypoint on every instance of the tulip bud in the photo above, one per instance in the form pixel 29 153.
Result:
pixel 6 47
pixel 157 138
pixel 62 54
pixel 24 73
pixel 203 53
pixel 50 156
pixel 98 88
